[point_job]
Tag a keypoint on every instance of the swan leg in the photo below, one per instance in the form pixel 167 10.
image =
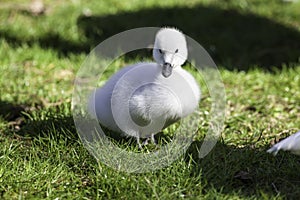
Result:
pixel 139 142
pixel 146 142
pixel 153 139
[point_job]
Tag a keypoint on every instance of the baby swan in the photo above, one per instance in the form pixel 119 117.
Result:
pixel 291 143
pixel 142 99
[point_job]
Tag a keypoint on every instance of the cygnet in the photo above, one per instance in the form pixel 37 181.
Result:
pixel 291 143
pixel 142 99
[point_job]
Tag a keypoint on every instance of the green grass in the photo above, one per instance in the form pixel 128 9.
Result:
pixel 256 46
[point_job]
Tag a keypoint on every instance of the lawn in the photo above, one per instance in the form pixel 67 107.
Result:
pixel 256 46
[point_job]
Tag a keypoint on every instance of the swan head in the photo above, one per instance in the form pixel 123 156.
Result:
pixel 170 49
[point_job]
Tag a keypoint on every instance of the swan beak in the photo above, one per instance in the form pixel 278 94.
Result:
pixel 167 70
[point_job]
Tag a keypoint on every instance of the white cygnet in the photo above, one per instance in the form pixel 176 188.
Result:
pixel 291 143
pixel 144 98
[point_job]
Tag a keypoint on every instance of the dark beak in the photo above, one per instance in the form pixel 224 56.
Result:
pixel 167 70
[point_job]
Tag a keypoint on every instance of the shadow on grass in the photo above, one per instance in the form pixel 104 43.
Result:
pixel 48 41
pixel 249 170
pixel 10 112
pixel 227 169
pixel 55 127
pixel 235 40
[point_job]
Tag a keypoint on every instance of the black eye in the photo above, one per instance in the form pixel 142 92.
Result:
pixel 176 51
pixel 160 51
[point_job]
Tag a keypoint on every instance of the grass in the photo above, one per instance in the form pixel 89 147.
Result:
pixel 256 46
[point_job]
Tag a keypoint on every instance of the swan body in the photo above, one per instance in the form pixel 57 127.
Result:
pixel 291 143
pixel 142 99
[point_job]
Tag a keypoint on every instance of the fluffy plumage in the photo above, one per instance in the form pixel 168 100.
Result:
pixel 291 143
pixel 154 94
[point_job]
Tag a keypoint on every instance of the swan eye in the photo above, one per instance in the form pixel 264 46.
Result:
pixel 176 51
pixel 160 51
